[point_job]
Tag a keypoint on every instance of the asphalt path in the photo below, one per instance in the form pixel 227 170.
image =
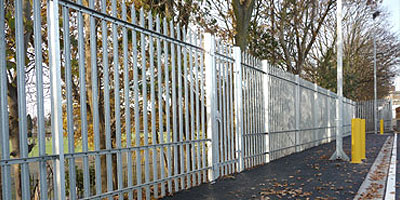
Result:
pixel 304 175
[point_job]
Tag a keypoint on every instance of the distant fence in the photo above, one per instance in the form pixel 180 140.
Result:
pixel 139 107
pixel 299 114
pixel 302 114
pixel 365 110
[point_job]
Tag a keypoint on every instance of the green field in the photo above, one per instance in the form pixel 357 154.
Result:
pixel 49 147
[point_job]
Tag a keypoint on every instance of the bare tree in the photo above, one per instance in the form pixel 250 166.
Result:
pixel 358 54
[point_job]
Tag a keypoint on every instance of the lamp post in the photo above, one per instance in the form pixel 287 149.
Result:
pixel 339 153
pixel 374 15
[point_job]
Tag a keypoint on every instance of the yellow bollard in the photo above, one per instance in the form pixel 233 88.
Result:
pixel 382 127
pixel 363 156
pixel 355 140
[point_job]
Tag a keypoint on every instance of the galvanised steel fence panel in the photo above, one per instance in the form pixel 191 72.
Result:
pixel 127 93
pixel 157 74
pixel 254 111
pixel 307 132
pixel 222 80
pixel 224 65
pixel 321 119
pixel 301 114
pixel 107 102
pixel 282 124
pixel 348 113
pixel 385 112
pixel 332 113
pixel 17 139
pixel 365 110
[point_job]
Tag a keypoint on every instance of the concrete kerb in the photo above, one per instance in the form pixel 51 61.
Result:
pixel 373 186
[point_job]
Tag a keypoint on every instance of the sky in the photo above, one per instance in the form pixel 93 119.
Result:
pixel 393 6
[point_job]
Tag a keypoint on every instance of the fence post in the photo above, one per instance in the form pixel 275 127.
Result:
pixel 297 112
pixel 56 99
pixel 328 118
pixel 391 113
pixel 237 55
pixel 265 67
pixel 209 64
pixel 316 130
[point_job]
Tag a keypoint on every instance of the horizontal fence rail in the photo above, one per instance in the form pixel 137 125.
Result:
pixel 103 100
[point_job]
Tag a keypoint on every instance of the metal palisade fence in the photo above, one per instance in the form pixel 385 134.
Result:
pixel 301 114
pixel 100 101
pixel 365 110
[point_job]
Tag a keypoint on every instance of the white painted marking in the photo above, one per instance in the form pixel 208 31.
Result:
pixel 391 180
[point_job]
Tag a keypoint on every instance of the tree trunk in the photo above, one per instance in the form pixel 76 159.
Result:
pixel 14 137
pixel 243 10
pixel 101 122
